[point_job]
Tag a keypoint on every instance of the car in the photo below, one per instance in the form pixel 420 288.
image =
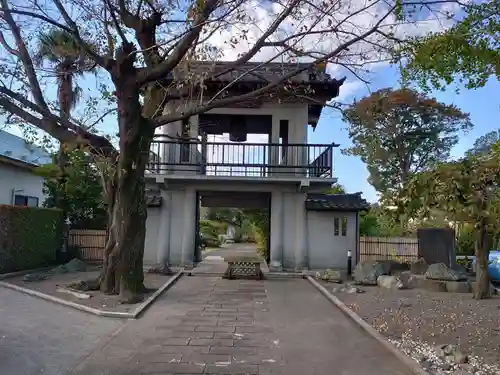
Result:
pixel 493 265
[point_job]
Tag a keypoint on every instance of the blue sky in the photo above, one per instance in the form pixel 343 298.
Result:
pixel 482 104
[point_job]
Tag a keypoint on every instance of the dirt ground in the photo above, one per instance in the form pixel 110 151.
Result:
pixel 434 318
pixel 97 299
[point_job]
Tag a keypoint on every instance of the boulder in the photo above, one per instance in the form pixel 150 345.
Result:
pixel 451 354
pixel 389 282
pixel 432 285
pixel 366 273
pixel 331 276
pixel 460 269
pixel 73 266
pixel 439 271
pixel 349 289
pixel 408 280
pixel 33 277
pixel 392 266
pixel 458 287
pixel 419 267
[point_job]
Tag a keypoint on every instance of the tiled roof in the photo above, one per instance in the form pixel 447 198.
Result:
pixel 254 72
pixel 16 148
pixel 336 202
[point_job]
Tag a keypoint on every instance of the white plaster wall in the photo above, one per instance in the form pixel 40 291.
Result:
pixel 177 218
pixel 325 249
pixel 12 177
pixel 289 225
pixel 293 238
pixel 173 234
pixel 152 224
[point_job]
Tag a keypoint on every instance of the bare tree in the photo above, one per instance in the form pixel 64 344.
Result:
pixel 157 56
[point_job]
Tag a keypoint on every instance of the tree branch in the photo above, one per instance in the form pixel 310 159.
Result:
pixel 261 41
pixel 24 56
pixel 165 119
pixel 182 47
pixel 56 126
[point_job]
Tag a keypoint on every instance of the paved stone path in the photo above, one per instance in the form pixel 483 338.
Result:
pixel 207 325
pixel 213 261
pixel 40 337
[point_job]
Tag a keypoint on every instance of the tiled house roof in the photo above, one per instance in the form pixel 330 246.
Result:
pixel 336 202
pixel 16 148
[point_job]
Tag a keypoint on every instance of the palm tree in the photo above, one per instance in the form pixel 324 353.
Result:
pixel 67 58
pixel 59 49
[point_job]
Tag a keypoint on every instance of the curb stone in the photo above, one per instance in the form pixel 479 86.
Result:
pixel 4 276
pixel 91 310
pixel 410 363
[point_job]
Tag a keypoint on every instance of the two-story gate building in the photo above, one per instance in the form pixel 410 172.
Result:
pixel 308 229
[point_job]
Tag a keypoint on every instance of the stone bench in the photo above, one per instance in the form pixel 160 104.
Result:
pixel 243 267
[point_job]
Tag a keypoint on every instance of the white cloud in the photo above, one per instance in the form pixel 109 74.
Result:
pixel 351 18
pixel 348 89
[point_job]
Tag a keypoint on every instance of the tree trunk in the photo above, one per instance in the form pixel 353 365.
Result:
pixel 62 160
pixel 482 285
pixel 123 265
pixel 123 259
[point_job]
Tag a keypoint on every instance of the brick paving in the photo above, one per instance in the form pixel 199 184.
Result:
pixel 207 325
pixel 222 332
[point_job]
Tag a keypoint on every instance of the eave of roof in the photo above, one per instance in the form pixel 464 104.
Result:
pixel 17 163
pixel 336 202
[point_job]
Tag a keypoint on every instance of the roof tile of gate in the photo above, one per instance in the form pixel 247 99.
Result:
pixel 336 202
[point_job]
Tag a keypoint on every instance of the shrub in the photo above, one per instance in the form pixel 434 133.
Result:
pixel 29 237
pixel 465 241
pixel 211 230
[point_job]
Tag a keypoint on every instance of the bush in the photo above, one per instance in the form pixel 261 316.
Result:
pixel 465 241
pixel 211 231
pixel 29 237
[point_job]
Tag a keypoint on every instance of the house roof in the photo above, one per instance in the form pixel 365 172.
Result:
pixel 258 72
pixel 16 148
pixel 336 202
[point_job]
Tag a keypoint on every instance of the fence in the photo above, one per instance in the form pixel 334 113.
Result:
pixel 383 248
pixel 90 242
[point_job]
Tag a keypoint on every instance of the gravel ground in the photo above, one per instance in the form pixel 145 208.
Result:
pixel 97 299
pixel 433 319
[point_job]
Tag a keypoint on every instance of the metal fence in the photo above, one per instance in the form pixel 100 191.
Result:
pixel 385 248
pixel 90 242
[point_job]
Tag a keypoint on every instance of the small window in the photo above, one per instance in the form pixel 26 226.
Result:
pixel 336 223
pixel 344 226
pixel 24 200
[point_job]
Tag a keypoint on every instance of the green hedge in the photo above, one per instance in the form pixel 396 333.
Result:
pixel 29 237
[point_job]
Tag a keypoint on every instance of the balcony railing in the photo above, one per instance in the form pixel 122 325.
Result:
pixel 241 159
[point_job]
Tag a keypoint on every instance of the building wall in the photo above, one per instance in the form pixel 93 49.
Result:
pixel 17 178
pixel 299 238
pixel 151 242
pixel 327 247
pixel 171 228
